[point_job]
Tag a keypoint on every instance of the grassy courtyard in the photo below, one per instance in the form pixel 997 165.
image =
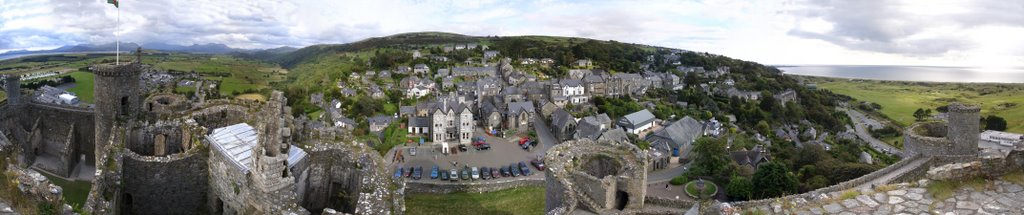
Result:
pixel 899 100
pixel 75 192
pixel 529 200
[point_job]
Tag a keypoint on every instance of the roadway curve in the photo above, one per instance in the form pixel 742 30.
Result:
pixel 858 124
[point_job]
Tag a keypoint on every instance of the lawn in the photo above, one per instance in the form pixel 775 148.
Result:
pixel 251 96
pixel 529 200
pixel 899 100
pixel 3 96
pixel 75 192
pixel 83 86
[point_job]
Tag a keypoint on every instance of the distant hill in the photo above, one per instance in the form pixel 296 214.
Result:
pixel 209 48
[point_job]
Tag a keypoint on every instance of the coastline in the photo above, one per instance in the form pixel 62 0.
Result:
pixel 935 74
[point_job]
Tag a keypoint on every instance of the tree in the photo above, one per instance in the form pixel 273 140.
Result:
pixel 773 180
pixel 996 123
pixel 920 114
pixel 740 188
pixel 710 157
pixel 763 128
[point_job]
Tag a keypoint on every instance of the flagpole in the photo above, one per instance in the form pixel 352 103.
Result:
pixel 117 35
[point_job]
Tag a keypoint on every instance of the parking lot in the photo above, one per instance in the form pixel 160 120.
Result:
pixel 502 153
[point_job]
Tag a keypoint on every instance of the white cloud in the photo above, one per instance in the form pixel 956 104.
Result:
pixel 941 32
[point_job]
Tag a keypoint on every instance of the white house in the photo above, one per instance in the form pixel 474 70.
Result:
pixel 574 91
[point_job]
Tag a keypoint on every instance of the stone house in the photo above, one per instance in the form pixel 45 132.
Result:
pixel 595 84
pixel 519 116
pixel 750 158
pixel 384 74
pixel 379 123
pixel 405 70
pixel 418 125
pixel 786 96
pixel 452 122
pixel 563 125
pixel 490 117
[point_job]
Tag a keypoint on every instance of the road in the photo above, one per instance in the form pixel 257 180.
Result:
pixel 858 124
pixel 543 135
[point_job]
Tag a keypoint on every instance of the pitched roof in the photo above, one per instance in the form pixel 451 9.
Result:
pixel 636 119
pixel 588 127
pixel 677 135
pixel 518 107
pixel 236 143
pixel 560 119
pixel 419 122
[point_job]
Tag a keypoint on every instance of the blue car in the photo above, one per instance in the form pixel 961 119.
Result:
pixel 524 168
pixel 434 172
pixel 398 172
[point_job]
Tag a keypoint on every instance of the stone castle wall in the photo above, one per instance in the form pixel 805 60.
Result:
pixel 444 187
pixel 176 184
pixel 116 93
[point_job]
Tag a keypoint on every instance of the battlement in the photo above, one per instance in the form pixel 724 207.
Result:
pixel 962 108
pixel 110 70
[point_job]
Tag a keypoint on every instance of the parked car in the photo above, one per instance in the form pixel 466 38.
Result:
pixel 485 173
pixel 524 168
pixel 495 173
pixel 454 174
pixel 417 173
pixel 444 175
pixel 408 172
pixel 515 170
pixel 399 171
pixel 505 172
pixel 480 143
pixel 475 172
pixel 412 151
pixel 465 173
pixel 537 163
pixel 462 147
pixel 525 146
pixel 434 172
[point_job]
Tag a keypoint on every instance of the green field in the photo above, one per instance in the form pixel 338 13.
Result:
pixel 899 100
pixel 3 96
pixel 83 86
pixel 528 200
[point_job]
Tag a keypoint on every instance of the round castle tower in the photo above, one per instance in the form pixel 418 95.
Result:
pixel 117 95
pixel 957 137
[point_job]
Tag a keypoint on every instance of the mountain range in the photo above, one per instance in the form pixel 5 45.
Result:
pixel 209 48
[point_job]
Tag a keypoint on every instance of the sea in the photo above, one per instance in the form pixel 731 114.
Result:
pixel 911 73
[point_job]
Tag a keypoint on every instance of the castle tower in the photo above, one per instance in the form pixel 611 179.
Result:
pixel 117 96
pixel 964 127
pixel 13 88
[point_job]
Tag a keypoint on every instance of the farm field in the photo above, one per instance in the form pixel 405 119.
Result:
pixel 899 100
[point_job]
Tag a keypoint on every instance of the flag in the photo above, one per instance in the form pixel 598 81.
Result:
pixel 113 2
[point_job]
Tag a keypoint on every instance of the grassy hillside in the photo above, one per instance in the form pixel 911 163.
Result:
pixel 899 100
pixel 83 86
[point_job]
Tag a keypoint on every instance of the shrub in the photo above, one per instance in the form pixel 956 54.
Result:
pixel 678 180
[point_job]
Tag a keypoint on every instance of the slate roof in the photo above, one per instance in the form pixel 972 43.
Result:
pixel 419 122
pixel 236 143
pixel 517 107
pixel 571 83
pixel 406 110
pixel 616 135
pixel 589 128
pixel 751 157
pixel 560 119
pixel 680 134
pixel 636 119
pixel 380 120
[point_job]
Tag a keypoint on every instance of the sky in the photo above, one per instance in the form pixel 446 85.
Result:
pixel 976 33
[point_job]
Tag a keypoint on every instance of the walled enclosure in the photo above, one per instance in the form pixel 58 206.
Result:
pixel 597 176
pixel 958 137
pixel 160 169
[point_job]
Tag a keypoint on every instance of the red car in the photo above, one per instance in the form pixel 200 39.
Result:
pixel 539 164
